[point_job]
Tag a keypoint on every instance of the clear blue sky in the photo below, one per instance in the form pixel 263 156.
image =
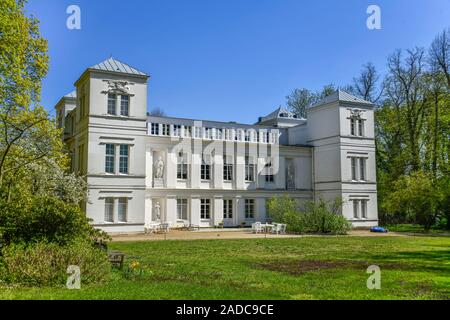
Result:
pixel 230 59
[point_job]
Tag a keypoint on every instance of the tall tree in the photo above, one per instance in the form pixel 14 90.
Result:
pixel 439 54
pixel 300 99
pixel 366 85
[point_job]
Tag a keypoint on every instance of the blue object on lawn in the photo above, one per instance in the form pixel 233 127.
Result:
pixel 378 229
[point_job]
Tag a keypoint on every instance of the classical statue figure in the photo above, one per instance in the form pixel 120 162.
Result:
pixel 159 170
pixel 157 211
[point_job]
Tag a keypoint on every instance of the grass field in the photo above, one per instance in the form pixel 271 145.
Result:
pixel 300 268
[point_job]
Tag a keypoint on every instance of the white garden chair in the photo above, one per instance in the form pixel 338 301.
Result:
pixel 256 227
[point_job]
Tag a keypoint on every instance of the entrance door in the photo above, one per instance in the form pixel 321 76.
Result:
pixel 228 213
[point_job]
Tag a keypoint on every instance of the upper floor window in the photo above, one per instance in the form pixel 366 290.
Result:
pixel 249 208
pixel 247 136
pixel 356 126
pixel 154 129
pixel 123 161
pixel 188 131
pixel 177 130
pixel 110 158
pixel 182 167
pixel 269 172
pixel 219 134
pixel 165 129
pixel 227 168
pixel 249 169
pixel 265 137
pixel 112 100
pixel 125 106
pixel 205 170
pixel 205 209
pixel 358 168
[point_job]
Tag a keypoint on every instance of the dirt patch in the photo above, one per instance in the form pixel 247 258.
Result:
pixel 300 267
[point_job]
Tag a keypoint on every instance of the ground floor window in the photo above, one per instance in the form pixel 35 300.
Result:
pixel 205 209
pixel 122 209
pixel 360 209
pixel 228 209
pixel 109 210
pixel 182 206
pixel 249 208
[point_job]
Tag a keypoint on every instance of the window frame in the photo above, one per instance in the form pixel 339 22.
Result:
pixel 205 209
pixel 125 103
pixel 109 210
pixel 112 99
pixel 124 159
pixel 227 170
pixel 122 216
pixel 249 209
pixel 227 208
pixel 110 159
pixel 182 209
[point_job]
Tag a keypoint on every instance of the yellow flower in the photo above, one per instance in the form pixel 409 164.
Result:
pixel 134 265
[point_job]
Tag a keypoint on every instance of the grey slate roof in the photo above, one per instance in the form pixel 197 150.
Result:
pixel 114 65
pixel 278 114
pixel 341 96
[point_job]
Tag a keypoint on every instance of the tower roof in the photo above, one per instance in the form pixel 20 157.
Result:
pixel 114 65
pixel 341 96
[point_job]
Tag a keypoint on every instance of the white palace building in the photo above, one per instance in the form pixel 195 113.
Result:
pixel 142 169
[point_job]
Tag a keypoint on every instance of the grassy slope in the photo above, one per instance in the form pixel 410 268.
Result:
pixel 301 268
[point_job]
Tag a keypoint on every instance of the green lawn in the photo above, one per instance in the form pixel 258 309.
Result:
pixel 300 268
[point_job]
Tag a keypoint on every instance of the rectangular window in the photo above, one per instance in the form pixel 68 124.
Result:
pixel 354 168
pixel 269 172
pixel 353 126
pixel 362 169
pixel 123 161
pixel 182 207
pixel 208 133
pixel 110 158
pixel 247 136
pixel 165 130
pixel 177 130
pixel 198 132
pixel 122 209
pixel 361 127
pixel 364 209
pixel 112 100
pixel 205 170
pixel 188 131
pixel 182 167
pixel 228 209
pixel 249 169
pixel 356 209
pixel 219 134
pixel 205 209
pixel 109 209
pixel 249 208
pixel 227 168
pixel 154 129
pixel 125 106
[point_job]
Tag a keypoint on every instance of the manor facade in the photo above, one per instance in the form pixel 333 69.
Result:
pixel 142 169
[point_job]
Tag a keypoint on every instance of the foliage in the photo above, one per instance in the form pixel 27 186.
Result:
pixel 299 99
pixel 414 195
pixel 46 219
pixel 45 264
pixel 313 217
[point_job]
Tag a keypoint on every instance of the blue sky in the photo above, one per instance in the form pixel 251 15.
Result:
pixel 234 59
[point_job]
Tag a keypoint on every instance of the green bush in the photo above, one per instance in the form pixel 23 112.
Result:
pixel 46 219
pixel 321 217
pixel 45 264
